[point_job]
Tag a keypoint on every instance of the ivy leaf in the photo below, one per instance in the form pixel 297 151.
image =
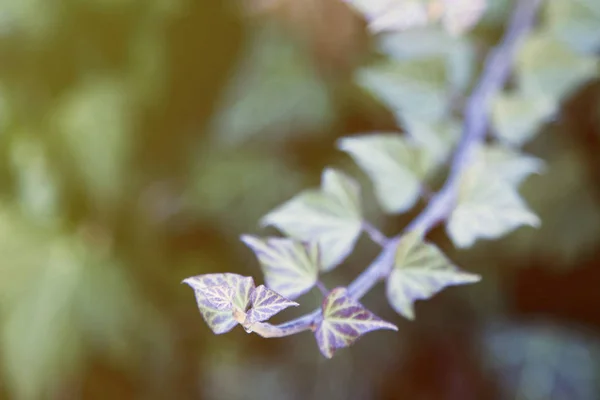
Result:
pixel 290 267
pixel 220 320
pixel 461 15
pixel 508 165
pixel 437 138
pixel 395 165
pixel 518 117
pixel 344 321
pixel 218 296
pixel 391 15
pixel 487 207
pixel 330 216
pixel 420 271
pixel 417 88
pixel 575 22
pixel 547 67
pixel 266 303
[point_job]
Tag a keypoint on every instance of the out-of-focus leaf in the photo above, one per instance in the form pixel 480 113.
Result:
pixel 330 216
pixel 221 320
pixel 217 189
pixel 487 208
pixel 35 178
pixel 546 67
pixel 576 22
pixel 290 267
pixel 35 19
pixel 40 338
pixel 517 117
pixel 344 321
pixel 430 42
pixel 395 165
pixel 392 15
pixel 95 122
pixel 275 92
pixel 420 271
pixel 461 15
pixel 417 88
pixel 266 303
pixel 535 362
pixel 437 138
pixel 508 165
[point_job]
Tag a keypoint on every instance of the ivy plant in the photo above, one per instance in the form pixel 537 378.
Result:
pixel 479 200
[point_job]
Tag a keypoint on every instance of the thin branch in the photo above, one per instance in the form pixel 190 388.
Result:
pixel 321 286
pixel 496 70
pixel 375 234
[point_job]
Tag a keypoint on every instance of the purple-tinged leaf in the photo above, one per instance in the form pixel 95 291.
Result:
pixel 221 320
pixel 420 271
pixel 331 216
pixel 266 303
pixel 290 267
pixel 344 321
pixel 219 296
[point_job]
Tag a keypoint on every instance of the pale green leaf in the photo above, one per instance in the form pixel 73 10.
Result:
pixel 392 15
pixel 330 216
pixel 547 67
pixel 95 122
pixel 430 42
pixel 487 208
pixel 275 91
pixel 290 267
pixel 576 22
pixel 460 16
pixel 395 165
pixel 438 139
pixel 420 271
pixel 417 88
pixel 518 117
pixel 508 165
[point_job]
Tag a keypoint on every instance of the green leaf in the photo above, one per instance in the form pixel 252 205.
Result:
pixel 431 42
pixel 416 88
pixel 95 124
pixel 547 67
pixel 437 138
pixel 392 15
pixel 459 16
pixel 508 165
pixel 487 208
pixel 575 22
pixel 344 321
pixel 290 267
pixel 395 165
pixel 420 271
pixel 276 91
pixel 517 117
pixel 330 216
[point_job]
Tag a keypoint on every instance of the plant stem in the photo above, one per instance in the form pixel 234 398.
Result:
pixel 322 288
pixel 496 70
pixel 375 234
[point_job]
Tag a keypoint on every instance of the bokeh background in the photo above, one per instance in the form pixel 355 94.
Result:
pixel 140 138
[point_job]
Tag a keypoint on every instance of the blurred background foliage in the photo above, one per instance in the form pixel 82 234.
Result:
pixel 139 139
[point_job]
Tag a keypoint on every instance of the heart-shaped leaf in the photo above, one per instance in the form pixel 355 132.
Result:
pixel 420 271
pixel 395 165
pixel 266 303
pixel 220 320
pixel 330 216
pixel 487 207
pixel 344 321
pixel 290 267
